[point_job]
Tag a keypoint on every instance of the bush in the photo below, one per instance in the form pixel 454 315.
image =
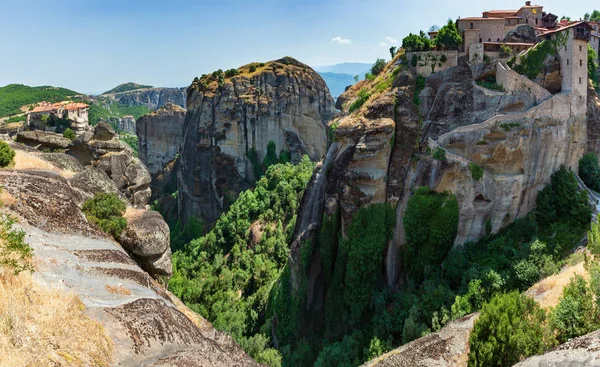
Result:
pixel 69 134
pixel 594 239
pixel 476 171
pixel 420 85
pixel 231 73
pixel 413 61
pixel 561 201
pixel 7 154
pixel 15 253
pixel 576 314
pixel 589 171
pixel 361 98
pixel 430 224
pixel 510 329
pixel 378 67
pixel 106 211
pixel 252 68
pixel 505 51
pixel 532 63
pixel 439 154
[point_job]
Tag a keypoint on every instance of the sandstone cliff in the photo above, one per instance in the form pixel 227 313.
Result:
pixel 144 324
pixel 152 98
pixel 159 138
pixel 231 120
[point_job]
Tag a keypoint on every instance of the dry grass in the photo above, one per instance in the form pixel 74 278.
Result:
pixel 46 327
pixel 26 161
pixel 198 320
pixel 548 291
pixel 133 213
pixel 118 289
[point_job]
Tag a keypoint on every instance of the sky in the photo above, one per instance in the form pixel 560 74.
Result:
pixel 91 46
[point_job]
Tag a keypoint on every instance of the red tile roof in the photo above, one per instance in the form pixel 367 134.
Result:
pixel 481 18
pixel 50 107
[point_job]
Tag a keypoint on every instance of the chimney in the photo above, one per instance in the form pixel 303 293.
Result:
pixel 527 3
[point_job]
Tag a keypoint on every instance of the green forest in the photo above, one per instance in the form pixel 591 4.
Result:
pixel 14 96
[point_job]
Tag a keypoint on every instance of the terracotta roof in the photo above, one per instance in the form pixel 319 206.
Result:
pixel 568 26
pixel 66 105
pixel 509 43
pixel 481 18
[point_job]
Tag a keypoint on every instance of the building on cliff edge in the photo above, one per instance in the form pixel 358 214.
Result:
pixel 42 115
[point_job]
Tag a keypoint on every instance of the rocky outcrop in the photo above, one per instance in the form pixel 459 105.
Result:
pixel 582 351
pixel 447 348
pixel 159 137
pixel 99 148
pixel 522 34
pixel 43 140
pixel 147 239
pixel 152 98
pixel 147 325
pixel 232 119
pixel 593 120
pixel 127 124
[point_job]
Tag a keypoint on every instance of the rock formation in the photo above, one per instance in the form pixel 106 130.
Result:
pixel 232 119
pixel 382 153
pixel 582 351
pixel 148 326
pixel 127 124
pixel 152 98
pixel 159 137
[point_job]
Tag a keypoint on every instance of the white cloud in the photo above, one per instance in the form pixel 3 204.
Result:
pixel 391 40
pixel 341 41
pixel 383 44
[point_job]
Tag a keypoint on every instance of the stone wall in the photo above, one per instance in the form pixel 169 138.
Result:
pixel 432 58
pixel 476 53
pixel 514 82
pixel 595 43
pixel 471 37
pixel 490 30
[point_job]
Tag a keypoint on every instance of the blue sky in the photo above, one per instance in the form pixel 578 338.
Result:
pixel 91 46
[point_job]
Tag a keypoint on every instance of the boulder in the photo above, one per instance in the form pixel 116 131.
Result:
pixel 104 131
pixel 43 140
pixel 115 164
pixel 62 160
pixel 139 199
pixel 582 351
pixel 523 34
pixel 137 176
pixel 102 147
pixel 81 150
pixel 146 235
pixel 93 181
pixel 158 267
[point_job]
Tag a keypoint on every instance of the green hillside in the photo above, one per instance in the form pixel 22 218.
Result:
pixel 13 96
pixel 126 87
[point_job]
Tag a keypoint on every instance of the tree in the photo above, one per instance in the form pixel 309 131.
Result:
pixel 106 211
pixel 7 154
pixel 448 37
pixel 378 67
pixel 416 42
pixel 393 51
pixel 356 78
pixel 510 329
pixel 575 315
pixel 589 171
pixel 595 16
pixel 586 17
pixel 69 134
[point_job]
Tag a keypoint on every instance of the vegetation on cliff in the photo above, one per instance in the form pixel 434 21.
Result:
pixel 227 275
pixel 14 96
pixel 126 87
pixel 106 211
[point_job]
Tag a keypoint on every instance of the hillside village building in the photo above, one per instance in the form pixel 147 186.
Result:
pixel 76 112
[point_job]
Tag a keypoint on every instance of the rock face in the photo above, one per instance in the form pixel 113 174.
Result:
pixel 100 149
pixel 582 351
pixel 382 154
pixel 231 119
pixel 152 98
pixel 159 137
pixel 147 325
pixel 127 124
pixel 43 140
pixel 447 348
pixel 523 34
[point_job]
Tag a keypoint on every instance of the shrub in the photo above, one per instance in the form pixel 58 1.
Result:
pixel 532 62
pixel 252 68
pixel 106 211
pixel 439 154
pixel 594 238
pixel 69 134
pixel 476 171
pixel 378 67
pixel 505 51
pixel 561 201
pixel 575 315
pixel 413 61
pixel 510 329
pixel 15 253
pixel 589 171
pixel 7 154
pixel 430 225
pixel 362 97
pixel 420 85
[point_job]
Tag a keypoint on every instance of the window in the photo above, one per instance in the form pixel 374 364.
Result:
pixel 471 25
pixel 579 80
pixel 480 40
pixel 536 21
pixel 489 40
pixel 580 49
pixel 498 39
pixel 580 62
pixel 567 62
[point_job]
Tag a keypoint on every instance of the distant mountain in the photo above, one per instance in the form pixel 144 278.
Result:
pixel 351 68
pixel 14 96
pixel 337 83
pixel 126 87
